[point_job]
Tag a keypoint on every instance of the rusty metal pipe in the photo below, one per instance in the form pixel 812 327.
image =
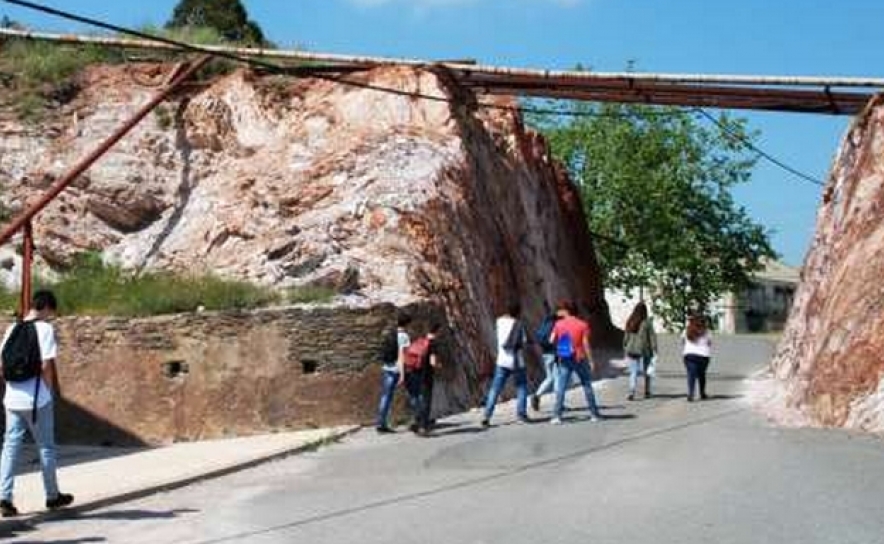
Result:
pixel 27 258
pixel 465 70
pixel 181 75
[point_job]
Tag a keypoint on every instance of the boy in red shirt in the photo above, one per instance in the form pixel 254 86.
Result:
pixel 571 338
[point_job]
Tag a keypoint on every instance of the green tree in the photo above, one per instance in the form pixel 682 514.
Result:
pixel 229 17
pixel 658 181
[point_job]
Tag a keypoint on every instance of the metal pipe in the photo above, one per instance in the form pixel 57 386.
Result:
pixel 27 259
pixel 180 76
pixel 467 69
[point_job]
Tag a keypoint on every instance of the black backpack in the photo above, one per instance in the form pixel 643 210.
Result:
pixel 389 352
pixel 21 353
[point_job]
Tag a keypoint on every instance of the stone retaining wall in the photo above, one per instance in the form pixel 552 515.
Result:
pixel 208 375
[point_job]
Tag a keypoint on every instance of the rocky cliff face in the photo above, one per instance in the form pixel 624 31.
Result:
pixel 391 198
pixel 830 364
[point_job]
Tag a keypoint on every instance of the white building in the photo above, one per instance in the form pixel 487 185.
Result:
pixel 764 307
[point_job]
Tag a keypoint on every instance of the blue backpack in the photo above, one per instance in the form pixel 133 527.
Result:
pixel 564 347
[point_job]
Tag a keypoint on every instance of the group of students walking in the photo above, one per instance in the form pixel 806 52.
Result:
pixel 564 343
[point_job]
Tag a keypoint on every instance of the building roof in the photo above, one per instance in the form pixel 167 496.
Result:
pixel 779 272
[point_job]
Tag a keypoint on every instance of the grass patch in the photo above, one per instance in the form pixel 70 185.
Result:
pixel 90 287
pixel 310 294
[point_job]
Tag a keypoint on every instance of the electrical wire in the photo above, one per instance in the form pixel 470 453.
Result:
pixel 762 153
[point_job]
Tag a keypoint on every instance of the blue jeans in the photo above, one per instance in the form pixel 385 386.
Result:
pixel 389 381
pixel 551 381
pixel 17 422
pixel 567 368
pixel 638 365
pixel 501 375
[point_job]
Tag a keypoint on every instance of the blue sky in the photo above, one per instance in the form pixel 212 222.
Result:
pixel 795 37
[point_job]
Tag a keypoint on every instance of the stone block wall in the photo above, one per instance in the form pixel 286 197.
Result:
pixel 208 375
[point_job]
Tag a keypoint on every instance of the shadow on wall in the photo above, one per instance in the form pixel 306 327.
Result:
pixel 75 425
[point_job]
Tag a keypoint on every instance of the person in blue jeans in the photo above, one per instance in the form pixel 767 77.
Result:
pixel 550 363
pixel 29 405
pixel 393 373
pixel 571 337
pixel 512 338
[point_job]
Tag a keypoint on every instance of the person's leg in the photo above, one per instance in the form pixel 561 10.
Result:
pixel 413 386
pixel 584 372
pixel 550 379
pixel 691 368
pixel 702 366
pixel 389 381
pixel 427 398
pixel 520 377
pixel 634 362
pixel 566 367
pixel 16 426
pixel 44 435
pixel 648 378
pixel 500 376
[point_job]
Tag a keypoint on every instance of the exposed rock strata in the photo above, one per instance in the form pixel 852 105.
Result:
pixel 830 364
pixel 390 198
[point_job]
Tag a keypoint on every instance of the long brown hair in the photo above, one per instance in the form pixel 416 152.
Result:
pixel 696 327
pixel 637 317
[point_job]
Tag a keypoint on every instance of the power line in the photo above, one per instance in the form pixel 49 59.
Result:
pixel 764 154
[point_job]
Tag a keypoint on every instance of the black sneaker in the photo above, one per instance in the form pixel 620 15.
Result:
pixel 383 429
pixel 7 509
pixel 485 423
pixel 535 403
pixel 60 501
pixel 631 396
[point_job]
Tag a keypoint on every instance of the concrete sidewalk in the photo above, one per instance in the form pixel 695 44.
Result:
pixel 99 477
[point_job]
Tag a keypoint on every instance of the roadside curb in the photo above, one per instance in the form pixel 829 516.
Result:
pixel 185 480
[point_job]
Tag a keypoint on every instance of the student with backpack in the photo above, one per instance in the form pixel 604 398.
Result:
pixel 393 373
pixel 420 363
pixel 28 353
pixel 548 355
pixel 512 338
pixel 571 338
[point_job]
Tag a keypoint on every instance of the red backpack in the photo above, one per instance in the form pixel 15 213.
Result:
pixel 416 353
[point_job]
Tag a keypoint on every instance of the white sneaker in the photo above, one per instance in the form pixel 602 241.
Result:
pixel 556 421
pixel 594 419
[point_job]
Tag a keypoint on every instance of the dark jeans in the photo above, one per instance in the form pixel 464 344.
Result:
pixel 696 366
pixel 501 375
pixel 429 379
pixel 414 386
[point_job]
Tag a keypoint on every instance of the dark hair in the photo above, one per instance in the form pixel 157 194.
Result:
pixel 567 305
pixel 435 327
pixel 696 327
pixel 403 320
pixel 638 316
pixel 514 308
pixel 44 299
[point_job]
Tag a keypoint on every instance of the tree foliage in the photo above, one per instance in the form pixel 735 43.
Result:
pixel 228 17
pixel 660 182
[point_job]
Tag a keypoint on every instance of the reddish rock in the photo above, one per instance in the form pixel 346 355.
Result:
pixel 830 363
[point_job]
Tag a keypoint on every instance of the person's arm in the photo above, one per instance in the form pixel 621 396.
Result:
pixel 400 365
pixel 50 377
pixel 587 348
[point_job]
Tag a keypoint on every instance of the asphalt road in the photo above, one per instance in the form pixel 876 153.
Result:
pixel 658 471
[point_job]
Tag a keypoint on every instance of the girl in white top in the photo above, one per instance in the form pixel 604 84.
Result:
pixel 697 350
